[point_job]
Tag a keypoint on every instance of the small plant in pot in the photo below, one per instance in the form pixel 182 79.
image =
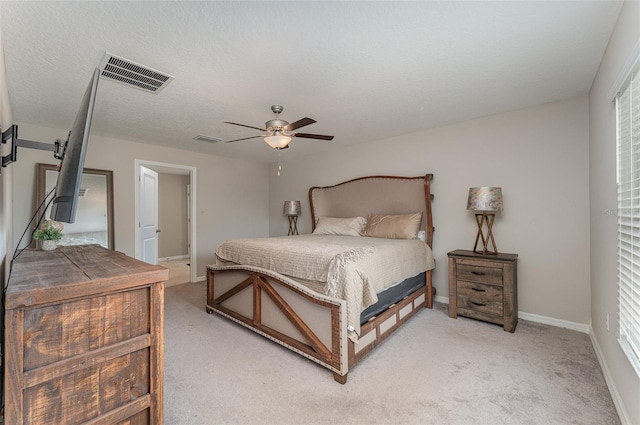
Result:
pixel 49 233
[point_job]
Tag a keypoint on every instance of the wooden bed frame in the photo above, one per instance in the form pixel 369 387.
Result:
pixel 309 323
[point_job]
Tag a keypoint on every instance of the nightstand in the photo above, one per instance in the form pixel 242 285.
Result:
pixel 484 287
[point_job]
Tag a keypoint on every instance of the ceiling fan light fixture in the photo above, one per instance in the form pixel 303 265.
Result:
pixel 280 132
pixel 278 140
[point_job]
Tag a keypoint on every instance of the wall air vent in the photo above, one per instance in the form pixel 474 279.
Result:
pixel 210 139
pixel 133 74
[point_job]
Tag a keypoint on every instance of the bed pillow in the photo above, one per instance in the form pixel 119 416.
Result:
pixel 351 226
pixel 393 226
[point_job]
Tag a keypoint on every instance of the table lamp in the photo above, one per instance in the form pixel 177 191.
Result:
pixel 486 201
pixel 292 210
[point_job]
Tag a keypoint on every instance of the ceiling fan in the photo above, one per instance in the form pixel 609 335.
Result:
pixel 279 132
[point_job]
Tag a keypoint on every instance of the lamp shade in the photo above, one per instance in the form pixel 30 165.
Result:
pixel 278 140
pixel 292 208
pixel 485 199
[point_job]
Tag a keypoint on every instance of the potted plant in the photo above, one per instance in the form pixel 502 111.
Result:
pixel 49 233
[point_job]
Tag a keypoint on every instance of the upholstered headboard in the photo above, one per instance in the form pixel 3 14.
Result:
pixel 385 195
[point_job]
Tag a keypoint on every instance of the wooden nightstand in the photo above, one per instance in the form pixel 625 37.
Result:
pixel 484 287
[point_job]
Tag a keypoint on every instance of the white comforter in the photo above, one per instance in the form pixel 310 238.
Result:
pixel 352 268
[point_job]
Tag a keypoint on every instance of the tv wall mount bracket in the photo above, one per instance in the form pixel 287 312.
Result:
pixel 11 136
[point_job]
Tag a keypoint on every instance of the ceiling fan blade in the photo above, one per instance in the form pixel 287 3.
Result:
pixel 313 136
pixel 244 125
pixel 246 138
pixel 299 123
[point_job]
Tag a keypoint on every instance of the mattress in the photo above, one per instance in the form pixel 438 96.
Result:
pixel 392 295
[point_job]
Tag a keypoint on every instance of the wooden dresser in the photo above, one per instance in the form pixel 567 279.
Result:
pixel 84 338
pixel 484 287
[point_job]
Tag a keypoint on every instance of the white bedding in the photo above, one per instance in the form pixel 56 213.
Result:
pixel 352 268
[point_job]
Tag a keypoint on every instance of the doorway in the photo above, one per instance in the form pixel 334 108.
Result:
pixel 175 228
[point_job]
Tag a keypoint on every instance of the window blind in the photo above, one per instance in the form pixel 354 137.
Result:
pixel 628 117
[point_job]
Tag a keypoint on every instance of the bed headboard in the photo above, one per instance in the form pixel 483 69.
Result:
pixel 375 195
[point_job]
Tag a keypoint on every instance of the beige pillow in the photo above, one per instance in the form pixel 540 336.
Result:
pixel 351 226
pixel 393 226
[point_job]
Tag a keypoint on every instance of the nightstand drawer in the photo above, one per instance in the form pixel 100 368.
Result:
pixel 471 273
pixel 484 298
pixel 480 293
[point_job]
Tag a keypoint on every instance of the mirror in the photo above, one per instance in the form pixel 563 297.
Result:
pixel 94 217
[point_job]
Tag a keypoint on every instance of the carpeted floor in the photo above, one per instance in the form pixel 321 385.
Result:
pixel 435 370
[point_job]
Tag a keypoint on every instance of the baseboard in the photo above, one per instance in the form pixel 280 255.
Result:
pixel 167 284
pixel 175 257
pixel 441 299
pixel 575 326
pixel 617 401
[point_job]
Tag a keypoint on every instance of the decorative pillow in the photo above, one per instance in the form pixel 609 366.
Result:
pixel 393 226
pixel 351 226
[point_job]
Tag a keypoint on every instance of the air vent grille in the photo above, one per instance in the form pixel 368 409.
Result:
pixel 133 74
pixel 204 138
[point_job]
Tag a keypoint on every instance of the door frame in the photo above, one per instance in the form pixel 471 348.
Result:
pixel 162 167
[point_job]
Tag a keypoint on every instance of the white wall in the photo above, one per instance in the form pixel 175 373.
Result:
pixel 172 215
pixel 231 195
pixel 604 213
pixel 540 158
pixel 6 176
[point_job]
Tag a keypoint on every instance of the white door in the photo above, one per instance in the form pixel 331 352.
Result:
pixel 149 215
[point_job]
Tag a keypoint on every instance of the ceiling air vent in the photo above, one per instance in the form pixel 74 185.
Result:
pixel 210 139
pixel 133 74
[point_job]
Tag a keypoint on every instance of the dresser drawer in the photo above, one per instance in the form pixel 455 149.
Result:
pixel 480 297
pixel 482 274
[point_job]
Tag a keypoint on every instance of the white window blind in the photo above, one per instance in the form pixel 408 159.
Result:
pixel 628 111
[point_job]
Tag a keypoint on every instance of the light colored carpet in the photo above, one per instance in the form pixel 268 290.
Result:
pixel 434 370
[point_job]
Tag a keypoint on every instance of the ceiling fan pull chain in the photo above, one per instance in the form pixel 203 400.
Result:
pixel 279 164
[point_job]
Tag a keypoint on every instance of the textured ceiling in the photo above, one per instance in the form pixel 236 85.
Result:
pixel 364 70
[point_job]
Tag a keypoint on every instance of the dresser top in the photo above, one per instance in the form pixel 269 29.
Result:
pixel 470 254
pixel 71 271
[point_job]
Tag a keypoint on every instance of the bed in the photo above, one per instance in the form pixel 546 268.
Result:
pixel 334 295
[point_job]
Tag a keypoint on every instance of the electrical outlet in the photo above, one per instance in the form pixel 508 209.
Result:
pixel 606 319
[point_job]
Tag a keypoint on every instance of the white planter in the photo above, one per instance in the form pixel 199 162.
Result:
pixel 49 245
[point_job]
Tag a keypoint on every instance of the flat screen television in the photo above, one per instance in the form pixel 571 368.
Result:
pixel 65 201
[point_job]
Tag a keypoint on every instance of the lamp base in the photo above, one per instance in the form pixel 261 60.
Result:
pixel 293 225
pixel 481 219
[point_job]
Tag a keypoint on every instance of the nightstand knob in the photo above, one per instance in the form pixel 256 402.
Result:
pixel 478 304
pixel 478 290
pixel 478 273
